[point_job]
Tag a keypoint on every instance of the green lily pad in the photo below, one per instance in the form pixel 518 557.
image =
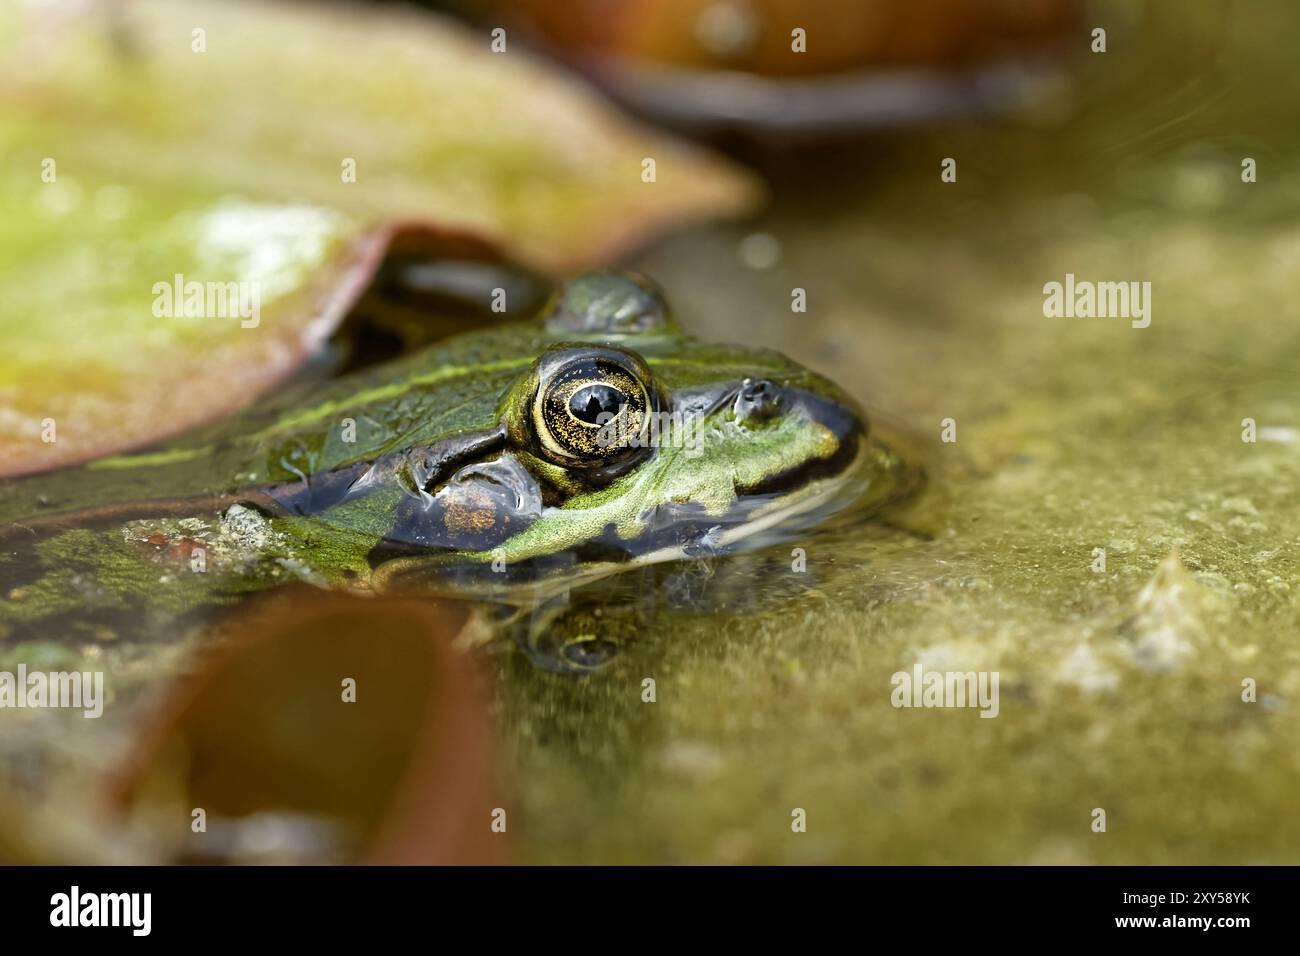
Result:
pixel 278 149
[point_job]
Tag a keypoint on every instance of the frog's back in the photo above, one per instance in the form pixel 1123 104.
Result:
pixel 447 389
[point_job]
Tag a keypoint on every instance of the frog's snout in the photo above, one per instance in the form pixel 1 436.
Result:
pixel 840 416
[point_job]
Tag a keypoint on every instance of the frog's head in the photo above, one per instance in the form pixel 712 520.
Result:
pixel 623 443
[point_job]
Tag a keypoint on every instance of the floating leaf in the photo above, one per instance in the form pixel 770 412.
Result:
pixel 270 154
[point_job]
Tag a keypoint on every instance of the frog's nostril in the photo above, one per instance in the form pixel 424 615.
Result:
pixel 758 400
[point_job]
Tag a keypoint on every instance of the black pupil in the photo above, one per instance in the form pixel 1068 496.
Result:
pixel 591 401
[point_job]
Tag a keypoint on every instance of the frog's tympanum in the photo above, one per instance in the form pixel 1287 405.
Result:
pixel 509 465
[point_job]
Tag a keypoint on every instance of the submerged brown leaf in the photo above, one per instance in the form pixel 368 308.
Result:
pixel 333 729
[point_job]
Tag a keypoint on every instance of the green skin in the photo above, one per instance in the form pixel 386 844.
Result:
pixel 432 473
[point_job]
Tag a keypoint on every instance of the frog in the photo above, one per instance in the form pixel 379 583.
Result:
pixel 513 466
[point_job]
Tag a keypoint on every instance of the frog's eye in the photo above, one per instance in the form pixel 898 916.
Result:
pixel 593 409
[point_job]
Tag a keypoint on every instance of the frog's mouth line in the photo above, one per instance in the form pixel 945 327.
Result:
pixel 846 457
pixel 827 482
